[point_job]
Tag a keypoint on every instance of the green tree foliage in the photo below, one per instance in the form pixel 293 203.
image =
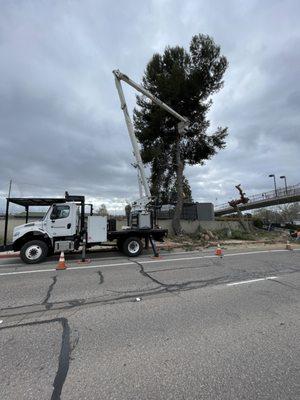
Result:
pixel 102 210
pixel 184 80
pixel 170 195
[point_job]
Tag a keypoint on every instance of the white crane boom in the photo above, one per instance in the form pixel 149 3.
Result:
pixel 120 76
pixel 134 142
pixel 136 151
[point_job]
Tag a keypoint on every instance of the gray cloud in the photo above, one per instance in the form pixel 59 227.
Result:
pixel 61 126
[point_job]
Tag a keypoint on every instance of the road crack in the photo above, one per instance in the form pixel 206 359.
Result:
pixel 24 311
pixel 66 348
pixel 101 277
pixel 63 361
pixel 51 286
pixel 175 287
pixel 290 285
pixel 144 273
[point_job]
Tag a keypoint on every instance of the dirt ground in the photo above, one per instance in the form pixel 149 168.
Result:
pixel 255 240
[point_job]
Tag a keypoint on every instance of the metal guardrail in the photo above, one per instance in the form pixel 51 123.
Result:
pixel 280 193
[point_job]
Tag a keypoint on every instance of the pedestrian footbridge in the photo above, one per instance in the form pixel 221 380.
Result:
pixel 289 194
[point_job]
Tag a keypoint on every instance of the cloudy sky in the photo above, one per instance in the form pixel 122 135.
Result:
pixel 61 126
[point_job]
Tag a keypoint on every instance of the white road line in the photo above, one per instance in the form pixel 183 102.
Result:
pixel 251 281
pixel 68 269
pixel 27 272
pixel 100 266
pixel 212 256
pixel 144 262
pixel 20 263
pixel 259 251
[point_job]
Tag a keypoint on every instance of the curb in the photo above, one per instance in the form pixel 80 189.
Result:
pixel 10 255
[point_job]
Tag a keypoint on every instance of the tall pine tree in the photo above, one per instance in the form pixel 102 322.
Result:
pixel 184 80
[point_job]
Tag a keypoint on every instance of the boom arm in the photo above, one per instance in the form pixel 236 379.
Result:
pixel 119 76
pixel 134 142
pixel 181 125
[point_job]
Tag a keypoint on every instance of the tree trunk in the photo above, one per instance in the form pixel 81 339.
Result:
pixel 243 224
pixel 178 209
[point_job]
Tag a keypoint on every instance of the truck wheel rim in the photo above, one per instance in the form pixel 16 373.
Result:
pixel 133 247
pixel 33 252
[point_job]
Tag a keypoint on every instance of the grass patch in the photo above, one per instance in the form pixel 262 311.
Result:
pixel 189 241
pixel 240 235
pixel 256 235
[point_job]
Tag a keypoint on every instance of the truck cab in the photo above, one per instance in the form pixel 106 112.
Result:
pixel 61 220
pixel 57 230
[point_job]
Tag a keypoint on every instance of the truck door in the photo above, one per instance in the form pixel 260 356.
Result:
pixel 61 220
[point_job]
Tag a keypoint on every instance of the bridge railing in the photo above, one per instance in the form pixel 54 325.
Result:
pixel 271 195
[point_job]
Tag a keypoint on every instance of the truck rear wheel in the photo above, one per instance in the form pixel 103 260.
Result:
pixel 132 247
pixel 34 252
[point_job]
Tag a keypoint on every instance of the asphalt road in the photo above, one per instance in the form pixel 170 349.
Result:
pixel 205 328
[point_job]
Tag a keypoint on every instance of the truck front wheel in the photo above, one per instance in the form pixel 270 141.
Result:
pixel 132 247
pixel 34 252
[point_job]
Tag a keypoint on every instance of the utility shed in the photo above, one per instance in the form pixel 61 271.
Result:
pixel 206 211
pixel 198 211
pixel 190 211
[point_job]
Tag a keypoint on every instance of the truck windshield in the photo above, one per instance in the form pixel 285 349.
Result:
pixel 46 213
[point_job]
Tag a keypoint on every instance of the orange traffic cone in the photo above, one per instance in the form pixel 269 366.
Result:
pixel 61 263
pixel 288 246
pixel 219 251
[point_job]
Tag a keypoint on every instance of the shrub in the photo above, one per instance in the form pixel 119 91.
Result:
pixel 239 235
pixel 258 223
